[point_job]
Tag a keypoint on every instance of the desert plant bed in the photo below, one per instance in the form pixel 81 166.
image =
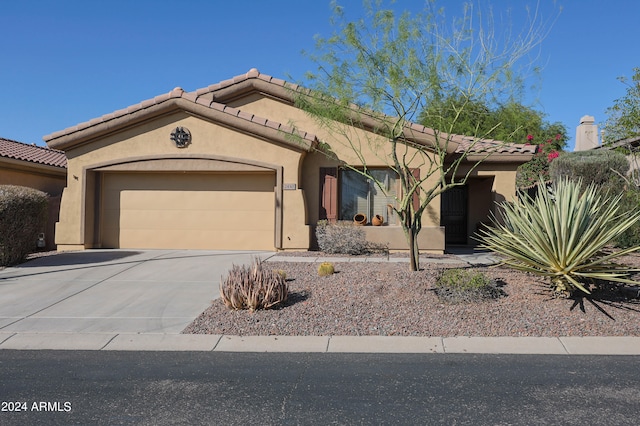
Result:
pixel 386 299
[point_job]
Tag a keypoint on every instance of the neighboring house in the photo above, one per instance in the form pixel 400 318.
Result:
pixel 218 168
pixel 37 167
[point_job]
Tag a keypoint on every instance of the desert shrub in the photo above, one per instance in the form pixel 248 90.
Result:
pixel 629 202
pixel 344 237
pixel 23 214
pixel 563 234
pixel 603 168
pixel 463 286
pixel 253 287
pixel 326 268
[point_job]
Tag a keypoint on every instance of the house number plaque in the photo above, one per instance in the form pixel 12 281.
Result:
pixel 181 136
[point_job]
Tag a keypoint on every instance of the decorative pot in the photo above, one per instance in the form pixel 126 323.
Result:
pixel 360 219
pixel 377 220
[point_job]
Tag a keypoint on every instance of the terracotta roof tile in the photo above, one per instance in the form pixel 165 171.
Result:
pixel 464 141
pixel 147 103
pixel 32 153
pixel 259 120
pixel 214 105
pixel 201 97
pixel 247 116
pixel 273 124
pixel 253 72
pixel 493 146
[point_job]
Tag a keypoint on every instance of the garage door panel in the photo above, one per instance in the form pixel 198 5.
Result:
pixel 202 219
pixel 198 240
pixel 185 199
pixel 197 210
pixel 248 182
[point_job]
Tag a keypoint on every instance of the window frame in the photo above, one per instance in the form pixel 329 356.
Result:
pixel 331 194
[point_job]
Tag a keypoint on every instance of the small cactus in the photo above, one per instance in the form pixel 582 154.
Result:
pixel 325 268
pixel 281 272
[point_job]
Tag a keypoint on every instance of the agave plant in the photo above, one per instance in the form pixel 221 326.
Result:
pixel 563 234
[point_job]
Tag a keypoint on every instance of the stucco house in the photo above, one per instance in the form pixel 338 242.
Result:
pixel 36 167
pixel 218 168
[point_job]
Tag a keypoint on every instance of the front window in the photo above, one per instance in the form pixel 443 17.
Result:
pixel 358 194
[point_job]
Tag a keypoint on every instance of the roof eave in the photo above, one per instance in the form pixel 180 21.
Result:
pixel 33 166
pixel 281 90
pixel 264 128
pixel 253 81
pixel 502 157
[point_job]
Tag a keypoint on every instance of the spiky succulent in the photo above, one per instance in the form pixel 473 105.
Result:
pixel 563 234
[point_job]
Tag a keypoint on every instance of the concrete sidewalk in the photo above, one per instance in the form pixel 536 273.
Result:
pixel 141 300
pixel 327 344
pixel 466 256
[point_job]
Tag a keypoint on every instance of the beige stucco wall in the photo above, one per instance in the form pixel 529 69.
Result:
pixel 41 178
pixel 493 181
pixel 151 140
pixel 373 149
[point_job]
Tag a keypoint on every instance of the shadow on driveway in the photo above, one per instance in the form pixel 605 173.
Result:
pixel 77 258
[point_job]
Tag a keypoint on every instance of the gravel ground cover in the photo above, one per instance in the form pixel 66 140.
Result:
pixel 386 299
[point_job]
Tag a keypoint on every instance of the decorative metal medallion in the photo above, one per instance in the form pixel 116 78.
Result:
pixel 181 136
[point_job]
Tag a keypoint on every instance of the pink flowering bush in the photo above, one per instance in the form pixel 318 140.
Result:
pixel 530 173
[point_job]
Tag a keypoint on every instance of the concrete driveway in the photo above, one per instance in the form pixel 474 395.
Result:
pixel 113 291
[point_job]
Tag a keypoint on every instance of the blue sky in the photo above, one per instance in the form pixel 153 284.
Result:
pixel 66 61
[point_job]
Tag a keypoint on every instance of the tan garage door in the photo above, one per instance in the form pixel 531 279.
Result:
pixel 230 211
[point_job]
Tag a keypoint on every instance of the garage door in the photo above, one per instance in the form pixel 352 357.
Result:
pixel 230 211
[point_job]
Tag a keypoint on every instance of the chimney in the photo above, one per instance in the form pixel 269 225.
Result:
pixel 586 134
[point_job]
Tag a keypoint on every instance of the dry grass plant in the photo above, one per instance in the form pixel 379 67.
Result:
pixel 253 287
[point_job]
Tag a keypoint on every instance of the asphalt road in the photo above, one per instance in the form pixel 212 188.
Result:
pixel 157 388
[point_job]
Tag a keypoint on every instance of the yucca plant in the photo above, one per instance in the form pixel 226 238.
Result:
pixel 562 234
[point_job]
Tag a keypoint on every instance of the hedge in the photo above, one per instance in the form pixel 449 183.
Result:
pixel 23 215
pixel 604 168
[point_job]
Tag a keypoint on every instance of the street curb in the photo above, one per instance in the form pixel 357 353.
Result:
pixel 568 345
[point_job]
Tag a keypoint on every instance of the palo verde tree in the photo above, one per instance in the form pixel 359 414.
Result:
pixel 376 75
pixel 623 118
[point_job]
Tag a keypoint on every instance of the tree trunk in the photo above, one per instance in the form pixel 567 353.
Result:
pixel 414 253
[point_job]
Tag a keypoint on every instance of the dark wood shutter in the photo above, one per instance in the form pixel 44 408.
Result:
pixel 328 194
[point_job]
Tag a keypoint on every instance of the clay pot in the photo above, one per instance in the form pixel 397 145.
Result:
pixel 360 219
pixel 377 220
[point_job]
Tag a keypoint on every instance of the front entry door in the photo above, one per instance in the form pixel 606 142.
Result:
pixel 453 215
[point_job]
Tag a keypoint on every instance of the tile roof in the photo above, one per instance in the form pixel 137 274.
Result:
pixel 215 96
pixel 32 153
pixel 493 146
pixel 465 142
pixel 179 93
pixel 252 75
